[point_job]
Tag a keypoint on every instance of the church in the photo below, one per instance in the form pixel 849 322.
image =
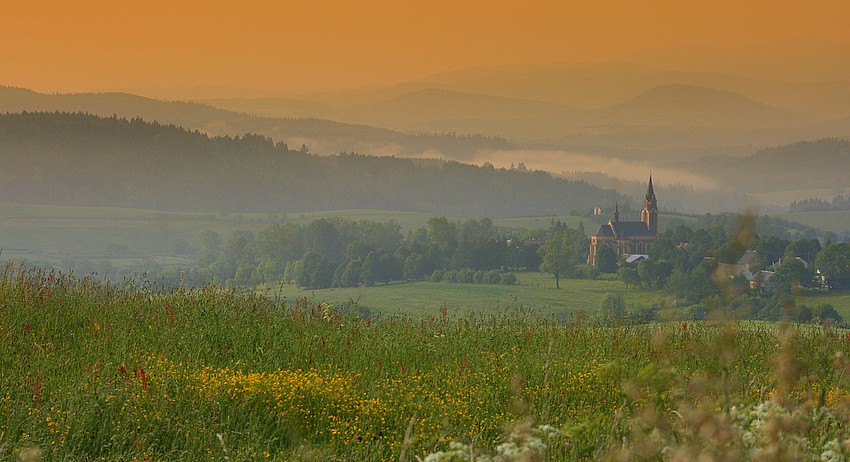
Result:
pixel 628 237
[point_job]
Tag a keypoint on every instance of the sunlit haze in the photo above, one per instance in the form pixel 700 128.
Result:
pixel 296 46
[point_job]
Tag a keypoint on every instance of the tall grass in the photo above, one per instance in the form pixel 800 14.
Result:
pixel 93 370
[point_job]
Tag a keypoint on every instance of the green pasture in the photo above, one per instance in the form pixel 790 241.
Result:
pixel 783 198
pixel 535 291
pixel 839 300
pixel 837 221
pixel 45 234
pixel 49 234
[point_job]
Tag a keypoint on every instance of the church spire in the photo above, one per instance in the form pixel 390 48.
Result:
pixel 616 212
pixel 650 192
pixel 649 214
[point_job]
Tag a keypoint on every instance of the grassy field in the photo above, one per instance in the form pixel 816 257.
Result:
pixel 783 198
pixel 839 300
pixel 92 371
pixel 535 291
pixel 52 233
pixel 49 235
pixel 837 221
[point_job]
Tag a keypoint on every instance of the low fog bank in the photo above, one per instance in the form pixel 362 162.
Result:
pixel 683 191
pixel 678 190
pixel 564 161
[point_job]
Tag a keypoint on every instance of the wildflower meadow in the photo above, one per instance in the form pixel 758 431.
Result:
pixel 91 370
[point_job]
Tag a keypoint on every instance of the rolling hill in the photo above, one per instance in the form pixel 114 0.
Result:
pixel 78 159
pixel 444 110
pixel 613 109
pixel 321 136
pixel 686 105
pixel 805 165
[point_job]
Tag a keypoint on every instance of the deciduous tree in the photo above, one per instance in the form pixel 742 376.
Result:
pixel 558 257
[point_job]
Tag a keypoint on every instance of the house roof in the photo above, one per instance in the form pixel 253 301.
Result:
pixel 750 257
pixel 731 270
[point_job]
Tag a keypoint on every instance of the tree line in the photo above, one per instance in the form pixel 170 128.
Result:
pixel 334 252
pixel 838 202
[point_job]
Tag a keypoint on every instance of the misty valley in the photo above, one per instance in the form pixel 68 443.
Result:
pixel 641 258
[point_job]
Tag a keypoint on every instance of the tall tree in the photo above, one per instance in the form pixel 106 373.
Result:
pixel 322 237
pixel 370 270
pixel 606 260
pixel 558 257
pixel 833 263
pixel 282 242
pixel 648 272
pixel 210 248
pixel 351 276
pixel 790 277
pixel 314 271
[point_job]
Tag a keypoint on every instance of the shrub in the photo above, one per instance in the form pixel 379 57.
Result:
pixel 492 277
pixel 478 277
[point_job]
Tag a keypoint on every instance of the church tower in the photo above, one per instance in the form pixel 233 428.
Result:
pixel 649 214
pixel 628 238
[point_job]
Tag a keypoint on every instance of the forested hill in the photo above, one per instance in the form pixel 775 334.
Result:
pixel 79 159
pixel 322 136
pixel 823 163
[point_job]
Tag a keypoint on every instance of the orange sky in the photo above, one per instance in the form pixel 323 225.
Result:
pixel 288 46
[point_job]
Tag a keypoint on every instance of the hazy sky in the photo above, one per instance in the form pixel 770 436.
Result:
pixel 288 46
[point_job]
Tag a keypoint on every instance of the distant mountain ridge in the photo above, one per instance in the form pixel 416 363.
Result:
pixel 690 105
pixel 322 136
pixel 447 110
pixel 819 164
pixel 617 108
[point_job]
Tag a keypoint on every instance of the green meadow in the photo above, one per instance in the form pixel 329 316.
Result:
pixel 783 198
pixel 96 371
pixel 535 291
pixel 837 221
pixel 49 234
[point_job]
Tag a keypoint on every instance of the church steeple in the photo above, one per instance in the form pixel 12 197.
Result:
pixel 650 192
pixel 649 214
pixel 616 212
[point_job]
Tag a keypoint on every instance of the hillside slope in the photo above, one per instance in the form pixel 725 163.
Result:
pixel 76 159
pixel 321 136
pixel 445 110
pixel 823 163
pixel 687 105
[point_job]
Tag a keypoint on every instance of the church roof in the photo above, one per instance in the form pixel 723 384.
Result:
pixel 629 229
pixel 605 230
pixel 624 230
